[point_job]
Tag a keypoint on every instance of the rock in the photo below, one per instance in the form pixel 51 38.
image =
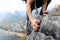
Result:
pixel 51 26
pixel 36 36
pixel 49 29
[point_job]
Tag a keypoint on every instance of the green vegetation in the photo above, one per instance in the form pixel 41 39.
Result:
pixel 23 38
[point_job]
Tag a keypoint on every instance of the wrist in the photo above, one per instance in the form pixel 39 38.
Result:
pixel 45 12
pixel 31 19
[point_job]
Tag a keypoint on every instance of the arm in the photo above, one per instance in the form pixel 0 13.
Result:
pixel 28 9
pixel 29 13
pixel 44 6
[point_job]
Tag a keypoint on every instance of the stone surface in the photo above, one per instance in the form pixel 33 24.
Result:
pixel 49 29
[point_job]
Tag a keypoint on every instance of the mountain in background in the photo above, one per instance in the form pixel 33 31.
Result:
pixel 14 21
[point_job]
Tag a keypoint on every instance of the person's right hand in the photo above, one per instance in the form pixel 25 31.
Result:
pixel 34 24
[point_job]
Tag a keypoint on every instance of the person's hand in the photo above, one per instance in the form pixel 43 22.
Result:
pixel 45 14
pixel 34 24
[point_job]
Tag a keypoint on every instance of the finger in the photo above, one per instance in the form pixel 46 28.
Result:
pixel 37 25
pixel 38 20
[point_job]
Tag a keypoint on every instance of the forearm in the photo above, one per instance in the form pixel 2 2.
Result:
pixel 44 6
pixel 29 13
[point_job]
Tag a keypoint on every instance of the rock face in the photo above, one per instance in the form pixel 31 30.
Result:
pixel 49 29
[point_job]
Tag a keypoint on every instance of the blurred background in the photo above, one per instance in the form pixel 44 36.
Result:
pixel 13 16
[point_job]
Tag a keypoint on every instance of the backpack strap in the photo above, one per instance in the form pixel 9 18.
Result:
pixel 36 10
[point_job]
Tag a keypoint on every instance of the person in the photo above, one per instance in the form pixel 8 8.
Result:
pixel 30 7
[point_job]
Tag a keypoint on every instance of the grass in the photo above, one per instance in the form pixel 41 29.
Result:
pixel 23 38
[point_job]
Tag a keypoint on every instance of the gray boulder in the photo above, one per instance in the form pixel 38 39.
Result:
pixel 49 29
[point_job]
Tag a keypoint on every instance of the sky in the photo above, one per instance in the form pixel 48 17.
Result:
pixel 13 5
